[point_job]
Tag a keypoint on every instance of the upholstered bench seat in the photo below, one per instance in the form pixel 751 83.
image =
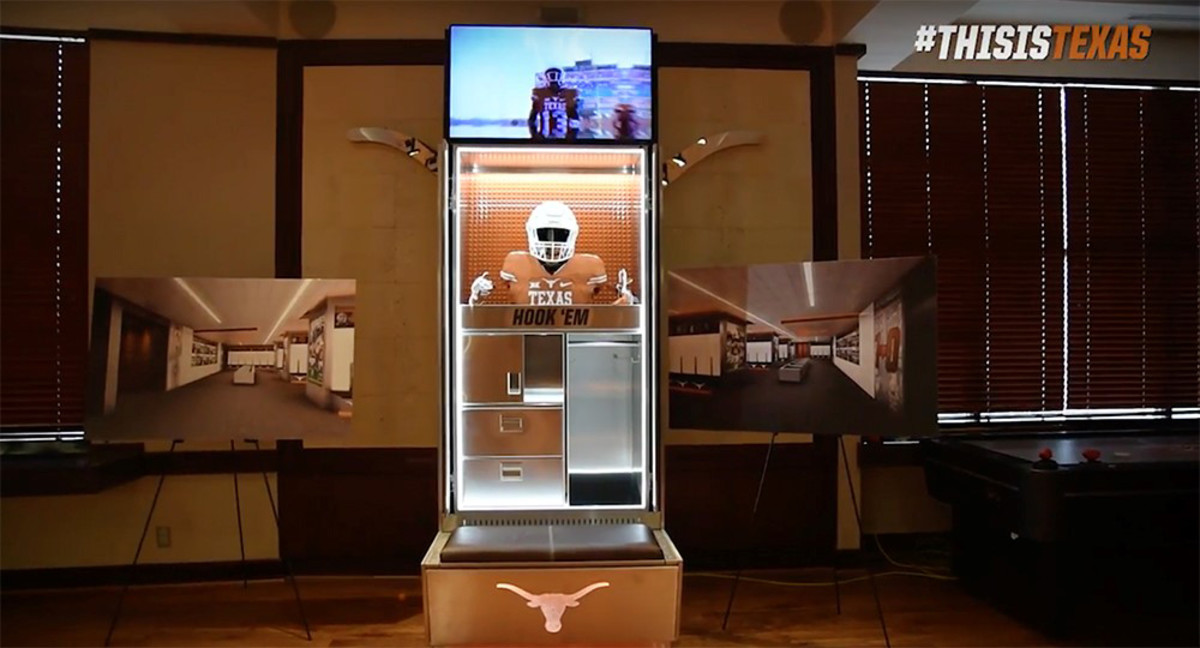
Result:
pixel 551 543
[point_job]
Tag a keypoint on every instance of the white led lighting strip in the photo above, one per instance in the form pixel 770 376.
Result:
pixel 187 288
pixel 44 39
pixel 58 296
pixel 287 309
pixel 455 341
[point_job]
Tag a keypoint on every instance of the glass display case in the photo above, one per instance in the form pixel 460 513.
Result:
pixel 550 524
pixel 548 331
pixel 550 487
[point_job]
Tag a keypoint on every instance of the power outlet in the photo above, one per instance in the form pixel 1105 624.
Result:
pixel 162 536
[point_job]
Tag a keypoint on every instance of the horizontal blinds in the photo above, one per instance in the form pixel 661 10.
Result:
pixel 1024 248
pixel 43 234
pixel 1131 161
pixel 972 175
pixel 900 167
pixel 956 232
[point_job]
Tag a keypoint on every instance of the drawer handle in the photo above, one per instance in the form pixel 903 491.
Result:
pixel 514 383
pixel 511 472
pixel 511 424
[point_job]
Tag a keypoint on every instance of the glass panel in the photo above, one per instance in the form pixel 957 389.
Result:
pixel 605 437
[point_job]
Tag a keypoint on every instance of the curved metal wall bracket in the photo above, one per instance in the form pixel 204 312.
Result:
pixel 703 148
pixel 415 149
pixel 672 169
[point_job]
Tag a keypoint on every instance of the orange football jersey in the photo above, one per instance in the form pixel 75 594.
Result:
pixel 575 282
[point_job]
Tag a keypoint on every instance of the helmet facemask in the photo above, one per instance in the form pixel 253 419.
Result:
pixel 552 231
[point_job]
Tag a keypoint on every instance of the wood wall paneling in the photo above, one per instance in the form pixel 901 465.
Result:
pixel 357 510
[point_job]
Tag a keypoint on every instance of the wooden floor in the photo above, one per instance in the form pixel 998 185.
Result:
pixel 387 612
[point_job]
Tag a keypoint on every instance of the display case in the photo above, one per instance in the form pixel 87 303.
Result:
pixel 550 521
pixel 550 359
pixel 550 482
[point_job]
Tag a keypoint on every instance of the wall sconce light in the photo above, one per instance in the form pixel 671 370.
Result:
pixel 415 149
pixel 702 149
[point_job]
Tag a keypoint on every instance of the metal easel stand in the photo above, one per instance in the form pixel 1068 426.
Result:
pixel 836 581
pixel 241 543
pixel 858 522
pixel 287 564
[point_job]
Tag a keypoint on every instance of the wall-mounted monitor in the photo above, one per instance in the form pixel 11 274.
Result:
pixel 860 356
pixel 550 84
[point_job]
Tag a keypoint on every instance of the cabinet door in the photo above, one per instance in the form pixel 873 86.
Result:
pixel 604 413
pixel 492 368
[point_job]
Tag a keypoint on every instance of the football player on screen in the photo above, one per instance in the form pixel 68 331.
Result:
pixel 625 122
pixel 550 273
pixel 554 113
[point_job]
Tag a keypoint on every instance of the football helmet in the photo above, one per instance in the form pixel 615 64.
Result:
pixel 554 75
pixel 552 231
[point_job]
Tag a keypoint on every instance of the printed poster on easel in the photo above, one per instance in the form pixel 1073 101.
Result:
pixel 206 358
pixel 843 347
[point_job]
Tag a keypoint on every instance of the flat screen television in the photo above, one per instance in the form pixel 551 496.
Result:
pixel 550 84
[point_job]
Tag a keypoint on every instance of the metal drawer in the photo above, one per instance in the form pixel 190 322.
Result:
pixel 512 432
pixel 512 483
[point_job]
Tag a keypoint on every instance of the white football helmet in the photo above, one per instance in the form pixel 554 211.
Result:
pixel 552 231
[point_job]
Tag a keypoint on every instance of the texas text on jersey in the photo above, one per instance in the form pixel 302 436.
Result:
pixel 576 281
pixel 555 113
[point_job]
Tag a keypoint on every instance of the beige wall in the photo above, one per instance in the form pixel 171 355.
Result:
pixel 103 529
pixel 182 160
pixel 182 177
pixel 724 21
pixel 194 16
pixel 730 21
pixel 372 214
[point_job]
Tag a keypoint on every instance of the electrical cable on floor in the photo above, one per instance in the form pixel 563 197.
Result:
pixel 926 569
pixel 767 581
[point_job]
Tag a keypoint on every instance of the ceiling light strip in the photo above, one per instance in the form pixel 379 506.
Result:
pixel 808 284
pixel 291 304
pixel 752 316
pixel 192 293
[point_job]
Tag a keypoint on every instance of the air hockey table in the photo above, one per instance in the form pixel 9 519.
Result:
pixel 1092 534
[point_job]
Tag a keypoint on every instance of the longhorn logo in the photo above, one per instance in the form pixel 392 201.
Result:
pixel 552 605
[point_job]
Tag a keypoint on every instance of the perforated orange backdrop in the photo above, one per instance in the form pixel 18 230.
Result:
pixel 499 189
